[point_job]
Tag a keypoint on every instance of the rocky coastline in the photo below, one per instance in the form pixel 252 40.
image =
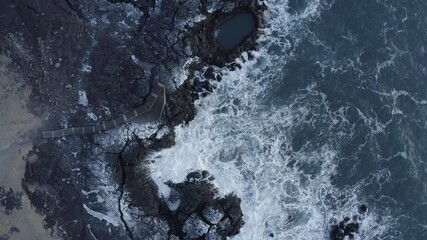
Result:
pixel 90 61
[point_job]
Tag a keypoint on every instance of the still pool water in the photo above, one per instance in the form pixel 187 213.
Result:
pixel 235 30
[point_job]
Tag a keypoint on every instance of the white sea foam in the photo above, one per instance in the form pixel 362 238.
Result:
pixel 86 68
pixel 83 98
pixel 110 219
pixel 241 138
pixel 118 136
pixel 92 116
pixel 104 188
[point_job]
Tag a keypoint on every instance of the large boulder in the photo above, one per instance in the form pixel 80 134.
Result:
pixel 201 212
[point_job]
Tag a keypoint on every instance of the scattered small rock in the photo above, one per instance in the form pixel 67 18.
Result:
pixel 348 227
pixel 14 230
pixel 10 200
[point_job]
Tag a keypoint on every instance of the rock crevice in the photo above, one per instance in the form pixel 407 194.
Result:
pixel 113 52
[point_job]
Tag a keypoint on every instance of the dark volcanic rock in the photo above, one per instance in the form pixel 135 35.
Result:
pixel 201 213
pixel 14 230
pixel 75 195
pixel 48 40
pixel 348 227
pixel 213 234
pixel 206 46
pixel 213 214
pixel 112 51
pixel 194 227
pixel 363 209
pixel 9 200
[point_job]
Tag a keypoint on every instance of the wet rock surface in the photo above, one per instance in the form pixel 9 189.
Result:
pixel 48 40
pixel 94 60
pixel 204 43
pixel 201 213
pixel 348 227
pixel 12 231
pixel 194 227
pixel 235 30
pixel 10 200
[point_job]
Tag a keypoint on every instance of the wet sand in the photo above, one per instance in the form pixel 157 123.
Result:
pixel 16 123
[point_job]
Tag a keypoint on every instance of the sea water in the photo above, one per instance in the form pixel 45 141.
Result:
pixel 235 29
pixel 329 115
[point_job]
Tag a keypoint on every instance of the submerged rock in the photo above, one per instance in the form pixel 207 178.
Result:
pixel 348 227
pixel 363 209
pixel 10 200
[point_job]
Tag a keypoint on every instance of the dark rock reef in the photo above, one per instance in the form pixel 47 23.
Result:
pixel 87 61
pixel 48 40
pixel 10 200
pixel 207 47
pixel 349 226
pixel 200 213
pixel 197 213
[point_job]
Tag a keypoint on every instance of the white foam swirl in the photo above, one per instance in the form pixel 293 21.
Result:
pixel 241 138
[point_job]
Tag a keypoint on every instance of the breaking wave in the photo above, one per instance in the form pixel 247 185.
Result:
pixel 246 136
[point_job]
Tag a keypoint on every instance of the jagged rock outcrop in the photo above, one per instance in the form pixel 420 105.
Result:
pixel 201 213
pixel 348 227
pixel 10 200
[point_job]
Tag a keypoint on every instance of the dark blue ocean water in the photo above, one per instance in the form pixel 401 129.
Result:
pixel 331 114
pixel 369 60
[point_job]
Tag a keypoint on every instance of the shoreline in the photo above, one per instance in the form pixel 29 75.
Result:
pixel 17 217
pixel 68 168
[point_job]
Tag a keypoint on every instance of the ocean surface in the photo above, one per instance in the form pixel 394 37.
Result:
pixel 330 114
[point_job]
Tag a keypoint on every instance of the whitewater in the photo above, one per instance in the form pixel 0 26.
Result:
pixel 244 134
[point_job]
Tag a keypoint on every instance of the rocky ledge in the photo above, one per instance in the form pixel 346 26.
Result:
pixel 196 211
pixel 349 227
pixel 94 60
